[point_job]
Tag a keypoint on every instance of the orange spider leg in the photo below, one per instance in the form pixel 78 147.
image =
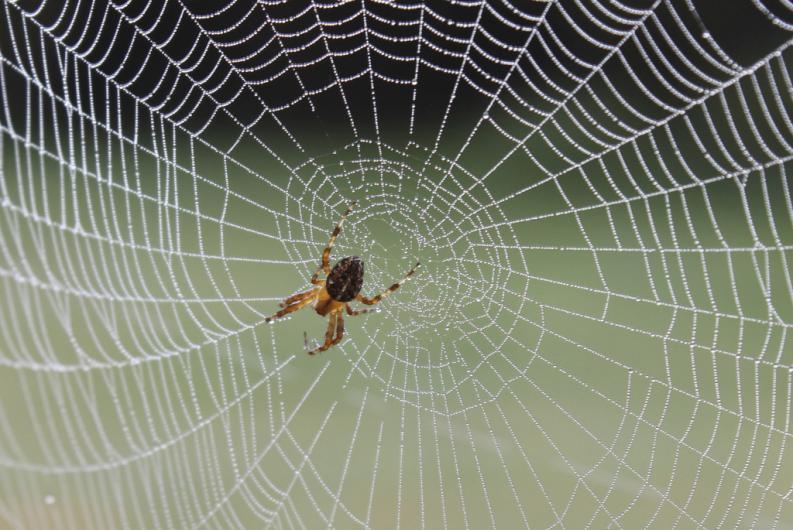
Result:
pixel 325 265
pixel 353 312
pixel 335 324
pixel 296 298
pixel 292 308
pixel 394 287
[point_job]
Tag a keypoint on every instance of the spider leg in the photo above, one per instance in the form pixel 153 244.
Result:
pixel 339 329
pixel 328 335
pixel 355 312
pixel 335 324
pixel 291 309
pixel 295 298
pixel 394 287
pixel 314 278
pixel 325 266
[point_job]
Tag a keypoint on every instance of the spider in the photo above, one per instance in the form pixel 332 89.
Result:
pixel 332 295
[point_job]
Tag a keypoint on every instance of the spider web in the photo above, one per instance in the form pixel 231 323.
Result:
pixel 598 192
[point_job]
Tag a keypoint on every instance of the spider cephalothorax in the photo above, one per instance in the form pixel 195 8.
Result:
pixel 332 295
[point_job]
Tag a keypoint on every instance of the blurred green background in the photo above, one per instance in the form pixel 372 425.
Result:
pixel 501 381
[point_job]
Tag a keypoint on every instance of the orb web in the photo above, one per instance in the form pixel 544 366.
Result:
pixel 599 196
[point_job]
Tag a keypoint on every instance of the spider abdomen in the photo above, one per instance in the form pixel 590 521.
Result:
pixel 346 279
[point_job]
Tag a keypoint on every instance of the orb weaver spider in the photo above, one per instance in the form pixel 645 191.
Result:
pixel 332 295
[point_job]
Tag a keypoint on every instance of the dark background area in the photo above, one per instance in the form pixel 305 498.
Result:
pixel 736 25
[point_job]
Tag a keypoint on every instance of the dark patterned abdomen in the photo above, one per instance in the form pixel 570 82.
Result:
pixel 346 279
